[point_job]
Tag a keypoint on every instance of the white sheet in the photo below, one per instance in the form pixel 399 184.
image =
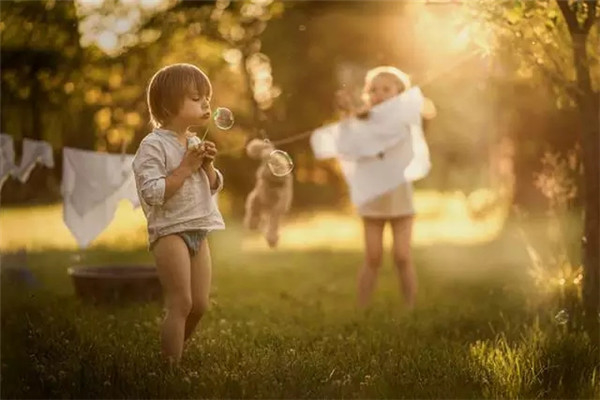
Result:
pixel 92 187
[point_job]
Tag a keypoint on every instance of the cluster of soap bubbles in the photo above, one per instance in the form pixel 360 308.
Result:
pixel 279 162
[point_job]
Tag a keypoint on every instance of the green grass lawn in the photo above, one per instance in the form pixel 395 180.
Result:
pixel 283 324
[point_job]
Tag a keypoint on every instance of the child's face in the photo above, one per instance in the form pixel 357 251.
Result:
pixel 382 88
pixel 195 109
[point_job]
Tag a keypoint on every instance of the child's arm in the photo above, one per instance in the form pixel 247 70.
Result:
pixel 215 178
pixel 428 110
pixel 192 160
pixel 156 186
pixel 175 180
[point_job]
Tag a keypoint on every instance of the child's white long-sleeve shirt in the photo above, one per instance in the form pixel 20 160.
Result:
pixel 192 207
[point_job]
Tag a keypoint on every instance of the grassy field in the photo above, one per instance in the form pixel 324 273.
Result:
pixel 283 323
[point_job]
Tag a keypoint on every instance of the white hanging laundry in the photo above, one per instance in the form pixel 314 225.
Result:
pixel 7 157
pixel 379 153
pixel 34 152
pixel 93 185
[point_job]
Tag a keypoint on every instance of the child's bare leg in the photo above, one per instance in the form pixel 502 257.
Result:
pixel 200 286
pixel 173 266
pixel 367 277
pixel 402 233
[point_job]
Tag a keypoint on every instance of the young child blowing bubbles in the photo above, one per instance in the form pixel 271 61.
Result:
pixel 176 187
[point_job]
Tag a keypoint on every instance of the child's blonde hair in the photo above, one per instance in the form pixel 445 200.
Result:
pixel 169 86
pixel 401 78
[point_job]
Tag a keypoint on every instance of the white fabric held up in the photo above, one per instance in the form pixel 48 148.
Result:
pixel 379 153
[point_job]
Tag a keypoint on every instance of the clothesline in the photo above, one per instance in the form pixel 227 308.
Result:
pixel 427 80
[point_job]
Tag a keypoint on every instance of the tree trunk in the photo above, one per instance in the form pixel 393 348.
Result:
pixel 589 105
pixel 590 141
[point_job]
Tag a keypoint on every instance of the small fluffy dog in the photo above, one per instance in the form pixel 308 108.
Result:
pixel 271 196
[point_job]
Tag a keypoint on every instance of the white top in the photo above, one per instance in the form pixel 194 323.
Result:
pixel 191 207
pixel 378 154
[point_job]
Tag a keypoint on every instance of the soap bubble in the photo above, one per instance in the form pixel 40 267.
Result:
pixel 223 118
pixel 280 163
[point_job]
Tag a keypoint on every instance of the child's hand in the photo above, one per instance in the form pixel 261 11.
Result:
pixel 428 110
pixel 209 152
pixel 363 112
pixel 192 160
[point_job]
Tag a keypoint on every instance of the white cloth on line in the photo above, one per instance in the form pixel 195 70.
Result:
pixel 93 185
pixel 34 152
pixel 7 157
pixel 379 153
